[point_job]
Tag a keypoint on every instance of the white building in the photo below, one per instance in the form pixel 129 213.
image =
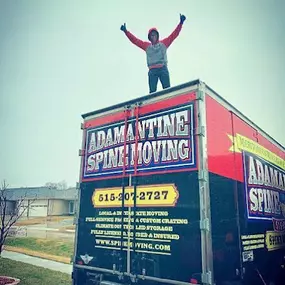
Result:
pixel 43 201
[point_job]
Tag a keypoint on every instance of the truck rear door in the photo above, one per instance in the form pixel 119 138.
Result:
pixel 142 219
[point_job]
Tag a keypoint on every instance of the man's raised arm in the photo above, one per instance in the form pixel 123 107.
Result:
pixel 139 43
pixel 169 40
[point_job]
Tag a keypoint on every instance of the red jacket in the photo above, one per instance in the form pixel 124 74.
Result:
pixel 156 54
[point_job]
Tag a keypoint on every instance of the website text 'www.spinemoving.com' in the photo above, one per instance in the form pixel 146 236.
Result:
pixel 138 245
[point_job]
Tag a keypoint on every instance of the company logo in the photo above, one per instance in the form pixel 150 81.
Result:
pixel 161 141
pixel 265 189
pixel 86 258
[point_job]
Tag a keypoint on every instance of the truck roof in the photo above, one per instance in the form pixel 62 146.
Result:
pixel 142 98
pixel 176 88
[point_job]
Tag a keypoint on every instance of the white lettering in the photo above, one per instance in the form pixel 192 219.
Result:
pixel 274 177
pixel 253 200
pixel 130 133
pixel 92 143
pixel 156 145
pixel 260 200
pixel 119 135
pixel 101 135
pixel 182 127
pixel 159 140
pixel 252 178
pixel 141 127
pixel 150 123
pixel 281 184
pixel 147 152
pixel 168 125
pixel 266 176
pixel 263 200
pixel 261 174
pixel 98 160
pixel 91 162
pixel 183 149
pixel 172 150
pixel 109 138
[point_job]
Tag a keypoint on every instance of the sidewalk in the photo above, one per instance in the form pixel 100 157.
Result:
pixel 41 228
pixel 49 264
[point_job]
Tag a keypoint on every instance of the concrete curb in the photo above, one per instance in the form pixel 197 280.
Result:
pixel 32 253
pixel 25 228
pixel 36 261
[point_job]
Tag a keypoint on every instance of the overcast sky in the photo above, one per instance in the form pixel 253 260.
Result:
pixel 60 59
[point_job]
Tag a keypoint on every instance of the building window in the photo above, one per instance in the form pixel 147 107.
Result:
pixel 71 207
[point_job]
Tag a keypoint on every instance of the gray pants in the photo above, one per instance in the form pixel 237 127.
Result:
pixel 158 73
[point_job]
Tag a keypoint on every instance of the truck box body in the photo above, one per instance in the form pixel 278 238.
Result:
pixel 199 197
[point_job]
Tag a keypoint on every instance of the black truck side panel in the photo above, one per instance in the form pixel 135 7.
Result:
pixel 247 185
pixel 226 254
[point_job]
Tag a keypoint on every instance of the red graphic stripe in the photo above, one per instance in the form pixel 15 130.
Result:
pixel 120 116
pixel 168 103
pixel 149 108
pixel 220 124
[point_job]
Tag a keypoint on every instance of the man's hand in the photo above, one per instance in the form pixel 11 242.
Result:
pixel 123 27
pixel 182 19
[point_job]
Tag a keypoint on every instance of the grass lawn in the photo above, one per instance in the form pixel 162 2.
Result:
pixel 57 250
pixel 54 247
pixel 32 275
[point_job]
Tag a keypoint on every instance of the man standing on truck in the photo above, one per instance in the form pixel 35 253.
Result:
pixel 156 54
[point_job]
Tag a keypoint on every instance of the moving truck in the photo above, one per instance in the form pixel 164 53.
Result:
pixel 179 187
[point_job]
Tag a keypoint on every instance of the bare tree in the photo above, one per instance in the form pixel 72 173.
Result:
pixel 8 215
pixel 62 185
pixel 51 185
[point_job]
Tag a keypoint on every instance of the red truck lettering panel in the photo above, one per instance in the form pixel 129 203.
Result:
pixel 238 151
pixel 223 128
pixel 219 130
